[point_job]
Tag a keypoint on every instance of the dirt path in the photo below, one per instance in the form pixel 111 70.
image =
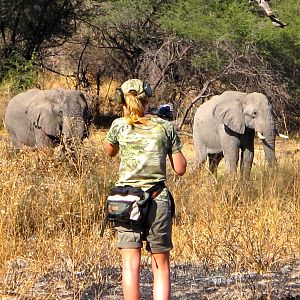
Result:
pixel 188 281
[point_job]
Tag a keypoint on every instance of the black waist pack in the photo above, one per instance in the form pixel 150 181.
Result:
pixel 128 204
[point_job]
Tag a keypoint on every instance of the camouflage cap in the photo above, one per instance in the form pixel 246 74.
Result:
pixel 133 85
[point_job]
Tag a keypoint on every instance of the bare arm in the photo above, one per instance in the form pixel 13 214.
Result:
pixel 111 149
pixel 178 162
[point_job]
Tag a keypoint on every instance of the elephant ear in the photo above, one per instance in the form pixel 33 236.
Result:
pixel 44 115
pixel 230 113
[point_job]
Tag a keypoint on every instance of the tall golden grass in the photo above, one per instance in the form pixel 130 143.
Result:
pixel 51 214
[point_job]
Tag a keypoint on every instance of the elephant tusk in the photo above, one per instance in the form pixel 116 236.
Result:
pixel 259 134
pixel 283 136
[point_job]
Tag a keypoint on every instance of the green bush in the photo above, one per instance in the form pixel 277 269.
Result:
pixel 18 74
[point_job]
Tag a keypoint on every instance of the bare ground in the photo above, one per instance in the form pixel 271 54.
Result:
pixel 192 282
pixel 189 281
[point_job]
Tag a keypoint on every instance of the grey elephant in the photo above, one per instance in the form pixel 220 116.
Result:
pixel 45 118
pixel 225 126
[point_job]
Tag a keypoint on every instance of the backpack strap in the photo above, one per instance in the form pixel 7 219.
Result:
pixel 155 190
pixel 152 192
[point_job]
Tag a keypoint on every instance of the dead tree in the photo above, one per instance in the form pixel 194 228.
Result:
pixel 268 11
pixel 204 89
pixel 159 62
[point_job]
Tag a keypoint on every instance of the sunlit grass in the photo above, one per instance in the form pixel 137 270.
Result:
pixel 51 215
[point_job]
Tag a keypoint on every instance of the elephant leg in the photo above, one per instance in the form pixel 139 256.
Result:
pixel 246 162
pixel 214 160
pixel 201 154
pixel 231 147
pixel 42 139
pixel 14 141
pixel 247 156
pixel 231 160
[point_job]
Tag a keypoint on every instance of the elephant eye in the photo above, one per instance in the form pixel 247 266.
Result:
pixel 254 114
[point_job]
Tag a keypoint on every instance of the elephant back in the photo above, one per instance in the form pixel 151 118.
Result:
pixel 17 105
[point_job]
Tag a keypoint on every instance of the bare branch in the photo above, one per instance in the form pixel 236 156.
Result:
pixel 268 11
pixel 204 89
pixel 79 62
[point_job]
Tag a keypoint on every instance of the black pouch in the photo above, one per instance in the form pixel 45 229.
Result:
pixel 126 204
pixel 130 204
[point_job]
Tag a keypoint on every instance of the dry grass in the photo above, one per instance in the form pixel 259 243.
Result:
pixel 51 214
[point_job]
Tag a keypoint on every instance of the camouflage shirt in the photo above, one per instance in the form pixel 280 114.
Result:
pixel 143 150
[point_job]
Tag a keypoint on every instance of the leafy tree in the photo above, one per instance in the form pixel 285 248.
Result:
pixel 266 58
pixel 183 45
pixel 179 46
pixel 20 74
pixel 133 43
pixel 129 29
pixel 29 27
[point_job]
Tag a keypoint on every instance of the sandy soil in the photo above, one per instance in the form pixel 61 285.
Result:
pixel 192 282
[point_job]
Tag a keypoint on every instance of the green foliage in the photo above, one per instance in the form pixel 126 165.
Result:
pixel 129 29
pixel 131 21
pixel 209 61
pixel 29 26
pixel 18 74
pixel 125 11
pixel 282 46
pixel 28 30
pixel 208 21
pixel 238 23
pixel 234 21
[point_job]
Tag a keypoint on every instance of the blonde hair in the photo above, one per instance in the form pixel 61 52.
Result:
pixel 136 108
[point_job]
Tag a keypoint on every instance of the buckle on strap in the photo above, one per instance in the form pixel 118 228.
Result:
pixel 155 190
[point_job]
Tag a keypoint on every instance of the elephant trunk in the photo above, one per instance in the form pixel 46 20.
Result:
pixel 269 149
pixel 74 131
pixel 267 137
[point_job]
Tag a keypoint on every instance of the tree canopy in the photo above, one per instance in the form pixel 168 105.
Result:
pixel 179 46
